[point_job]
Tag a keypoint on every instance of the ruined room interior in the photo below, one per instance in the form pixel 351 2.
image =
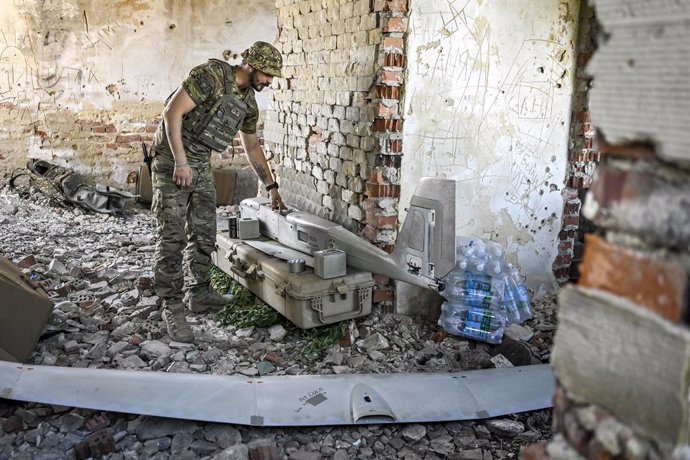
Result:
pixel 561 123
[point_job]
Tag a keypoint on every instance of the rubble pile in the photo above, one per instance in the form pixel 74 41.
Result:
pixel 98 269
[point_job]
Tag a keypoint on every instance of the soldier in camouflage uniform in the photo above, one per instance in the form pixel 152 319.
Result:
pixel 203 115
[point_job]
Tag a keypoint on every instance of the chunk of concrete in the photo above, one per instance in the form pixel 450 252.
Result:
pixel 616 354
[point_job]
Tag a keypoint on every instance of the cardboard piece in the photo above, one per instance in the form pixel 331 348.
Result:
pixel 24 312
pixel 144 187
pixel 225 180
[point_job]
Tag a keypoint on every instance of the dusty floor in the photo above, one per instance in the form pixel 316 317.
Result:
pixel 97 270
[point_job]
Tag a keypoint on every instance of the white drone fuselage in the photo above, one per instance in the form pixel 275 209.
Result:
pixel 424 250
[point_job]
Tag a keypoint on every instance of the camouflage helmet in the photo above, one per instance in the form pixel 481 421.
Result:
pixel 264 57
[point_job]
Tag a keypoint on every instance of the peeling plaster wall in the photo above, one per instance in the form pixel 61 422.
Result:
pixel 83 82
pixel 488 104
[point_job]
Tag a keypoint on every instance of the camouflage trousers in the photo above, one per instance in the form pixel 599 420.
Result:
pixel 186 227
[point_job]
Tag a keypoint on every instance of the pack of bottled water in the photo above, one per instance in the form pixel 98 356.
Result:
pixel 483 293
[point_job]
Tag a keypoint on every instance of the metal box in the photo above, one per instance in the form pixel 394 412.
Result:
pixel 303 298
pixel 248 228
pixel 330 263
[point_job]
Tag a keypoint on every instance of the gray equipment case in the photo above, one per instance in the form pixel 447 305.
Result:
pixel 303 298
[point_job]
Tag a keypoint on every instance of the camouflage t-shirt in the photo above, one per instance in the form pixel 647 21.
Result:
pixel 205 83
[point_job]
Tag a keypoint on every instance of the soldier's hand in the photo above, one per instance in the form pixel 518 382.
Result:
pixel 276 200
pixel 182 176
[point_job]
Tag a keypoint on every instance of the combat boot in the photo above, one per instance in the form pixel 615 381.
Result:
pixel 176 323
pixel 202 299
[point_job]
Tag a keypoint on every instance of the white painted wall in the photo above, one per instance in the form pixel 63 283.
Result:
pixel 70 51
pixel 488 104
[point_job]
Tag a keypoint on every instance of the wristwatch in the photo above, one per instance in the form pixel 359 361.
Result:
pixel 272 186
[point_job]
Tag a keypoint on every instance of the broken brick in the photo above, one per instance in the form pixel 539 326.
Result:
pixel 536 451
pixel 265 453
pixel 382 294
pixel 13 424
pixel 653 282
pixel 439 336
pixel 96 445
pixel 27 262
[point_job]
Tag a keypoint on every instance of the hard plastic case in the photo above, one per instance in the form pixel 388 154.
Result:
pixel 303 298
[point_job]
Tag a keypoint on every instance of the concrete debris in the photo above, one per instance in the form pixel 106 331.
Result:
pixel 98 271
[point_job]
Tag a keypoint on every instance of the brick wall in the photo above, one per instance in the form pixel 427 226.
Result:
pixel 104 145
pixel 334 129
pixel 100 143
pixel 583 156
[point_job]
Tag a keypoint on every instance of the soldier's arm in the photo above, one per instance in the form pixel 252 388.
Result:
pixel 177 107
pixel 257 160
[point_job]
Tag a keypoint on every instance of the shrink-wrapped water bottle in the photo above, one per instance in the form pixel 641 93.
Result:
pixel 473 289
pixel 516 297
pixel 484 324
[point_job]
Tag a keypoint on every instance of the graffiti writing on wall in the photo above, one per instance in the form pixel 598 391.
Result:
pixel 486 99
pixel 53 65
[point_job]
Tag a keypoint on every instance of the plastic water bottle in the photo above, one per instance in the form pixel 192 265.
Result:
pixel 473 323
pixel 460 284
pixel 509 301
pixel 516 295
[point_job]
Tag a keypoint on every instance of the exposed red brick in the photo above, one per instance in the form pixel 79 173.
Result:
pixel 582 116
pixel 565 234
pixel 563 260
pixel 535 451
pixel 127 138
pixel 110 128
pixel 395 145
pixel 394 60
pixel 397 6
pixel 381 221
pixel 571 208
pixel 393 43
pixel 391 77
pixel 98 129
pixel 370 233
pixel 376 176
pixel 583 58
pixel 562 274
pixel 382 190
pixel 622 194
pixel 151 128
pixel 382 294
pixel 387 111
pixel 381 280
pixel 632 150
pixel 388 248
pixel 565 245
pixel 395 24
pixel 653 282
pixel 389 161
pixel 382 125
pixel 388 92
pixel 575 182
pixel 571 220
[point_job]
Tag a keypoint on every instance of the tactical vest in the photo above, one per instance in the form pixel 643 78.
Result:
pixel 214 123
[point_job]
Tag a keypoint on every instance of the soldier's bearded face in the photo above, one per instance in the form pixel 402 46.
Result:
pixel 260 80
